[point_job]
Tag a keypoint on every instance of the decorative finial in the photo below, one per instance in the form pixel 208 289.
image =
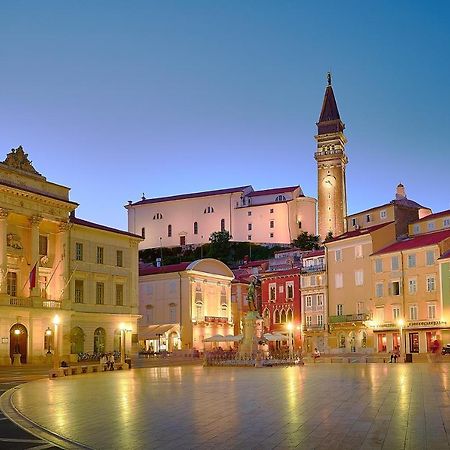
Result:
pixel 143 196
pixel 329 78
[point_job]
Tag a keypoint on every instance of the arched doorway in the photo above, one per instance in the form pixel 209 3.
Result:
pixel 99 340
pixel 174 341
pixel 117 340
pixel 18 342
pixel 76 340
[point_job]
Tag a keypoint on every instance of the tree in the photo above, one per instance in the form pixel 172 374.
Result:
pixel 329 237
pixel 306 241
pixel 220 247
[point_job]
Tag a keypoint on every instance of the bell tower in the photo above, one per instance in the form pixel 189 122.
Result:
pixel 331 161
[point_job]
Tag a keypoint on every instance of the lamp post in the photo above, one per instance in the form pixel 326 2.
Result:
pixel 122 342
pixel 48 333
pixel 300 329
pixel 17 334
pixel 401 324
pixel 55 344
pixel 291 349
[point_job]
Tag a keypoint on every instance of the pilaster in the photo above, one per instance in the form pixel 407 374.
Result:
pixel 35 221
pixel 3 249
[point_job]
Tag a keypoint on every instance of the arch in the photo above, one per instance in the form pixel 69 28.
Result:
pixel 222 225
pixel 99 340
pixel 276 316
pixel 174 341
pixel 289 316
pixel 283 316
pixel 213 266
pixel 76 340
pixel 266 317
pixel 18 341
pixel 143 232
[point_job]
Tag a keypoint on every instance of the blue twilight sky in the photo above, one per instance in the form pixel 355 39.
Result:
pixel 117 98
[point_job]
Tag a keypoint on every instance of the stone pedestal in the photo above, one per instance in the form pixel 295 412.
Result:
pixel 16 359
pixel 252 332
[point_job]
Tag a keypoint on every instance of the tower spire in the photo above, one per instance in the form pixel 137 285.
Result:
pixel 329 120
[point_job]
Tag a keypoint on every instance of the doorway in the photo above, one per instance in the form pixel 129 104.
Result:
pixel 18 342
pixel 414 342
pixel 182 240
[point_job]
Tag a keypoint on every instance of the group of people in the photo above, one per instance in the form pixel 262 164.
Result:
pixel 108 359
pixel 395 354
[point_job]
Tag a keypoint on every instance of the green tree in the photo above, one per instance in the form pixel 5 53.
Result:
pixel 329 237
pixel 306 241
pixel 220 246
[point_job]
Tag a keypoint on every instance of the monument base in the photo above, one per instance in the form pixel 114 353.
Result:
pixel 252 334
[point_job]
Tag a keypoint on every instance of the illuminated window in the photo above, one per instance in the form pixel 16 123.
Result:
pixel 431 311
pixel 79 291
pixel 431 283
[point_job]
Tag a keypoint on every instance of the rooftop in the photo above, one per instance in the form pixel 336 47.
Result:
pixel 273 191
pixel 85 223
pixel 434 216
pixel 359 232
pixel 147 269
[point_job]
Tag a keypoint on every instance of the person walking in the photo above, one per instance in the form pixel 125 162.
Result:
pixel 316 354
pixel 111 361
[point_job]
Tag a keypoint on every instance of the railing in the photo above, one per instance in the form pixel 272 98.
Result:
pixel 349 318
pixel 314 268
pixel 315 327
pixel 53 304
pixel 17 301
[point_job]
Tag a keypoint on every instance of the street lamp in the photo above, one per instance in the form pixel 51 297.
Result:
pixel 48 333
pixel 17 334
pixel 401 324
pixel 55 344
pixel 123 329
pixel 291 349
pixel 300 330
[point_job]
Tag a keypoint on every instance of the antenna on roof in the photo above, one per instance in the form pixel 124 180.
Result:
pixel 143 196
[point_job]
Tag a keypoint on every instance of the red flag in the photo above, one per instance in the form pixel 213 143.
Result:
pixel 33 277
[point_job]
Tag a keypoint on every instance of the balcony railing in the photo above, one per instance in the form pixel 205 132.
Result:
pixel 313 269
pixel 349 318
pixel 30 302
pixel 315 327
pixel 53 304
pixel 18 301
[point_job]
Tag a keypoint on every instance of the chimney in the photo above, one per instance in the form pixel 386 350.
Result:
pixel 400 193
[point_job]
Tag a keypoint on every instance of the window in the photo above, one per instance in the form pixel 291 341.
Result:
pixel 320 300
pixel 99 255
pixel 172 313
pixel 280 198
pixel 308 300
pixel 157 216
pixel 149 313
pixel 308 321
pixel 79 251
pixel 169 230
pixel 358 251
pixel 412 285
pixel 143 232
pixel 276 316
pixel 195 227
pixel 430 258
pixel 290 290
pixel 119 258
pixel 383 214
pixel 338 255
pixel 222 225
pixel 360 307
pixel 283 317
pixel 272 292
pixel 249 227
pixel 249 237
pixel 430 226
pixel 43 245
pixel 379 314
pixel 446 223
pixel 313 280
pixel 11 284
pixel 396 312
pixel 339 280
pixel 119 294
pixel 100 293
pixel 412 260
pixel 416 228
pixel 272 224
pixel 394 288
pixel 249 213
pixel 290 316
pixel 394 263
pixel 208 210
pixel 413 312
pixel 359 277
pixel 271 235
pixel 378 265
pixel 299 224
pixel 431 284
pixel 368 219
pixel 431 311
pixel 320 320
pixel 354 222
pixel 339 310
pixel 379 290
pixel 79 291
pixel 271 210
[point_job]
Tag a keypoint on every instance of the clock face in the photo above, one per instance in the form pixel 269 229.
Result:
pixel 329 180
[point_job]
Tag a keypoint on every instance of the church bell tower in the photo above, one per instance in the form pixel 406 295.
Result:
pixel 331 161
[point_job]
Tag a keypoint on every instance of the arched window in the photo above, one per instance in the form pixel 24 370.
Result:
pixel 276 317
pixel 266 317
pixel 99 340
pixel 143 232
pixel 169 230
pixel 76 340
pixel 157 216
pixel 222 225
pixel 283 316
pixel 280 198
pixel 195 227
pixel 289 315
pixel 208 210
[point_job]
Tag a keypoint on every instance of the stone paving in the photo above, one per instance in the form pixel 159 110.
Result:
pixel 321 406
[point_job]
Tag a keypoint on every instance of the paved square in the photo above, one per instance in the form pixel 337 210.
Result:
pixel 323 406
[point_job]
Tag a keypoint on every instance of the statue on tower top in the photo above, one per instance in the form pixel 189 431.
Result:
pixel 329 78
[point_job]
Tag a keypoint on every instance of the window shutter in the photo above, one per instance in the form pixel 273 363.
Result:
pixel 390 288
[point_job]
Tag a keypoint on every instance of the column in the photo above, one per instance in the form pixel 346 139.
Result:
pixel 34 222
pixel 3 249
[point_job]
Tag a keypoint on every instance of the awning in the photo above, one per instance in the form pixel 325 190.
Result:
pixel 154 331
pixel 275 337
pixel 220 338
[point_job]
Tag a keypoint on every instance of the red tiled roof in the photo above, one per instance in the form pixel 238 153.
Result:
pixel 85 223
pixel 273 191
pixel 254 263
pixel 145 269
pixel 434 216
pixel 360 232
pixel 276 273
pixel 314 253
pixel 193 195
pixel 422 240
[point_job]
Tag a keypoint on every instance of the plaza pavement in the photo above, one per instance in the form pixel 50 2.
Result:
pixel 321 406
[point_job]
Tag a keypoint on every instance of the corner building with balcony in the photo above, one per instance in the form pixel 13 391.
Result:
pixel 53 263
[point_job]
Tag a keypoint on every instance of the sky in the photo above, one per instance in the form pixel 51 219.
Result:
pixel 116 98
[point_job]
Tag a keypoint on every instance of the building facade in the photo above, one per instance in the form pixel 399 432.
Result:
pixel 273 216
pixel 51 272
pixel 183 304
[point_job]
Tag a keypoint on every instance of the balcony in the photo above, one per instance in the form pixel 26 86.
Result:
pixel 30 302
pixel 18 301
pixel 313 269
pixel 349 318
pixel 52 304
pixel 314 327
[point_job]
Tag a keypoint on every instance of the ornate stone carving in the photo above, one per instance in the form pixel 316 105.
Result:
pixel 18 159
pixel 13 241
pixel 4 213
pixel 63 226
pixel 35 220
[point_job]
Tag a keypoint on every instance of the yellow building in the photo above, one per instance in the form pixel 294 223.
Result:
pixel 183 304
pixel 431 223
pixel 350 298
pixel 408 304
pixel 53 264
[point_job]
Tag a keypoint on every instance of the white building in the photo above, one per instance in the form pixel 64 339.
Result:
pixel 275 216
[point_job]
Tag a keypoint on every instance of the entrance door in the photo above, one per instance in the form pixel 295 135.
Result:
pixel 18 341
pixel 414 342
pixel 182 240
pixel 382 343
